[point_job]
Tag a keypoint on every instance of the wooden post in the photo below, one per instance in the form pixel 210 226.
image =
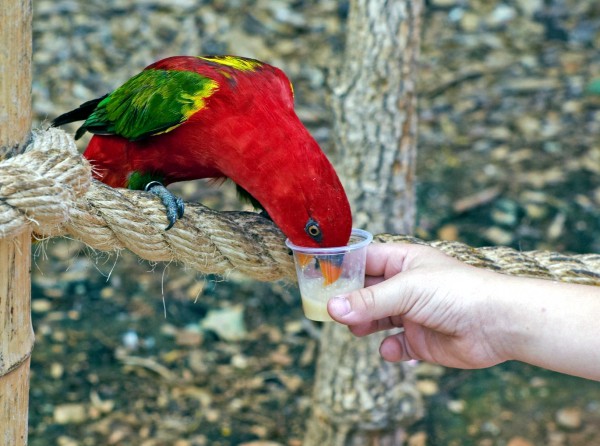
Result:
pixel 16 333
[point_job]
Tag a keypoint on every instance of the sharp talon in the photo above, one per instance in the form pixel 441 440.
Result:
pixel 175 205
pixel 180 207
pixel 172 221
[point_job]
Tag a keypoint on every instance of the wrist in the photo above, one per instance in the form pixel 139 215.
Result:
pixel 504 319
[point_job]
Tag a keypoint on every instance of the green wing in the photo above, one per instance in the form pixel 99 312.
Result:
pixel 152 102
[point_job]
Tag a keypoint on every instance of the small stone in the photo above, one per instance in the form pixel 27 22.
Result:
pixel 535 211
pixel 456 406
pixel 469 22
pixel 500 133
pixel 195 290
pixel 63 440
pixel 490 427
pixel 529 126
pixel 569 418
pixel 530 84
pixel 428 369
pixel 197 362
pixel 557 226
pixel 448 232
pixel 57 370
pixel 530 7
pixel 573 107
pixel 501 14
pixel 498 236
pixel 443 3
pixel 292 382
pixel 293 327
pixel 505 213
pixel 456 14
pixel 557 438
pixel 281 356
pixel 101 406
pixel 107 292
pixel 261 443
pixel 130 340
pixel 427 387
pixel 538 382
pixel 519 441
pixel 168 330
pixel 41 305
pixel 188 338
pixel 65 250
pixel 239 361
pixel 228 323
pixel 418 439
pixel 70 413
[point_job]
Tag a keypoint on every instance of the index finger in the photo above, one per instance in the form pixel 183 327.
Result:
pixel 382 257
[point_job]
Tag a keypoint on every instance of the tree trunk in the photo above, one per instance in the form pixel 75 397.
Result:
pixel 16 334
pixel 359 399
pixel 374 105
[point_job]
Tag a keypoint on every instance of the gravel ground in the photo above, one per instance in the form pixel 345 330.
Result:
pixel 129 353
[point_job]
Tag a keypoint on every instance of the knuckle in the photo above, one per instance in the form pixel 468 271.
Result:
pixel 366 298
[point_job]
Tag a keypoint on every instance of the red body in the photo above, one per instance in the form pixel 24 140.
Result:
pixel 249 132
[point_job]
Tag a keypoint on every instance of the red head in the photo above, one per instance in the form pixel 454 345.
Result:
pixel 284 167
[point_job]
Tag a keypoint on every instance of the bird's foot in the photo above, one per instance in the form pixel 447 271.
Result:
pixel 175 206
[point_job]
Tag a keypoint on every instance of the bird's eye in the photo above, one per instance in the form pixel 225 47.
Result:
pixel 313 230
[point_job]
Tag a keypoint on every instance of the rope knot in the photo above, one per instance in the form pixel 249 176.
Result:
pixel 39 186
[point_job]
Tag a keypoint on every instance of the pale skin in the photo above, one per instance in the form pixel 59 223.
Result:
pixel 461 316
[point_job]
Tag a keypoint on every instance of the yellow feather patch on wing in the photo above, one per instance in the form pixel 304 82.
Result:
pixel 239 63
pixel 195 102
pixel 192 103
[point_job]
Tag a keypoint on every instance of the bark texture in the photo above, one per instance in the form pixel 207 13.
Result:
pixel 15 75
pixel 359 399
pixel 374 104
pixel 16 334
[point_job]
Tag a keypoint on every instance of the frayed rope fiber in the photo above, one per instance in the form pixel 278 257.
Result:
pixel 48 189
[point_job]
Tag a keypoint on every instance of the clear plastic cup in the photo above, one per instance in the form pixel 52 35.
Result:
pixel 327 272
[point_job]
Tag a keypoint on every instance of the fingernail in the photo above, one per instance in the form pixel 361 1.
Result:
pixel 339 306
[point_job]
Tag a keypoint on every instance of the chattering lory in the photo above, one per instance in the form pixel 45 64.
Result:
pixel 185 117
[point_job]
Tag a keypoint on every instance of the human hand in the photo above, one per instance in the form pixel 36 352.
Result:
pixel 440 304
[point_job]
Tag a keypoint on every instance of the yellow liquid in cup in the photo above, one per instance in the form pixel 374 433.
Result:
pixel 315 296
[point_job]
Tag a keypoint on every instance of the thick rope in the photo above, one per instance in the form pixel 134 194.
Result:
pixel 580 268
pixel 49 189
pixel 211 242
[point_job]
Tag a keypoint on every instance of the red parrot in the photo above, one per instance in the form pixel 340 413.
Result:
pixel 184 118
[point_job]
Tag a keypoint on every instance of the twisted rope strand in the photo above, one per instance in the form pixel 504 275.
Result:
pixel 581 268
pixel 38 186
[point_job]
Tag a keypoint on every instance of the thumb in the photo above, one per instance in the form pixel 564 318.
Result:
pixel 386 298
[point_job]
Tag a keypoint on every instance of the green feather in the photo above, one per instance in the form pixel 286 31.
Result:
pixel 150 103
pixel 139 180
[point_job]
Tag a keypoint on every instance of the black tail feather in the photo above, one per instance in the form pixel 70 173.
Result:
pixel 79 114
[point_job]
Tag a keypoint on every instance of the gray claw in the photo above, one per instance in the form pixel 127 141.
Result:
pixel 175 205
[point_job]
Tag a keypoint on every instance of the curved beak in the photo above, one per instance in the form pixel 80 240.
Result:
pixel 331 268
pixel 303 259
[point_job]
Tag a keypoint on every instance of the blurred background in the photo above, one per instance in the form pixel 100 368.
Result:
pixel 133 353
